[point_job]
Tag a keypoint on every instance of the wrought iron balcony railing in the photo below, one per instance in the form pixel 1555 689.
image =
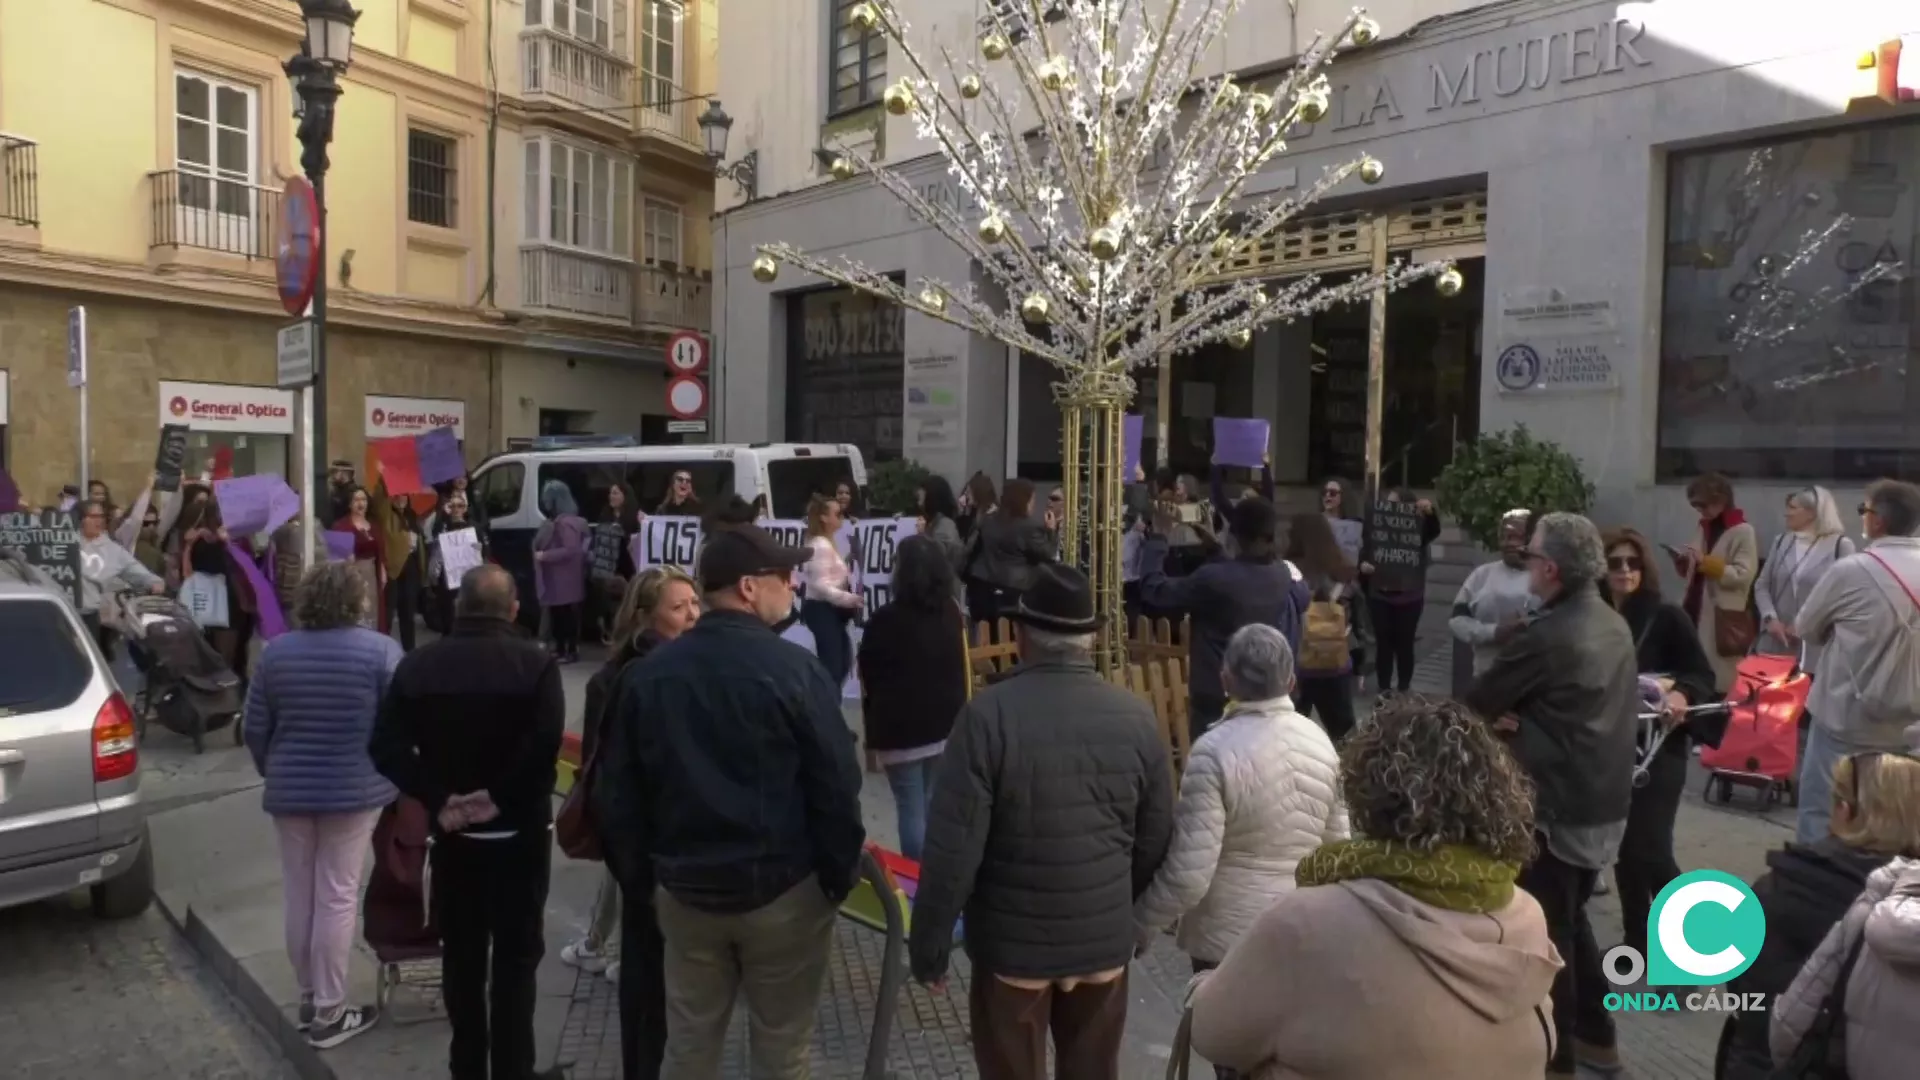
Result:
pixel 19 180
pixel 194 210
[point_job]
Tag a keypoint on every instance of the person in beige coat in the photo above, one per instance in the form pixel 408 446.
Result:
pixel 1407 951
pixel 1883 992
pixel 1719 568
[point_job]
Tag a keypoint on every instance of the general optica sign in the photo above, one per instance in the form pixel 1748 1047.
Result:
pixel 390 416
pixel 249 410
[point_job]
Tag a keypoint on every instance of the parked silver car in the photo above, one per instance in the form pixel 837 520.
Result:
pixel 70 812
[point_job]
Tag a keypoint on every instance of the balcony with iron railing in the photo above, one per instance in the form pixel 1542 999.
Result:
pixel 666 109
pixel 192 210
pixel 565 71
pixel 674 299
pixel 19 180
pixel 568 281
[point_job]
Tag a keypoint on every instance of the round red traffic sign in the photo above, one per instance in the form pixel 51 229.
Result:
pixel 296 257
pixel 687 397
pixel 687 353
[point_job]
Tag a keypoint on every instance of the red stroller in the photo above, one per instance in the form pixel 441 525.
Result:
pixel 1761 748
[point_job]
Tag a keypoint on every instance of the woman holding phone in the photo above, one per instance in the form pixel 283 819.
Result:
pixel 1719 568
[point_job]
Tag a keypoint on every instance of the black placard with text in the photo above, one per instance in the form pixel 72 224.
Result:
pixel 171 460
pixel 1395 534
pixel 605 552
pixel 49 540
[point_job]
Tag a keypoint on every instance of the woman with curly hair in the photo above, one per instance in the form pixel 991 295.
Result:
pixel 1407 951
pixel 309 718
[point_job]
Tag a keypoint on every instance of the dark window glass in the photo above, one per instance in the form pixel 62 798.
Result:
pixel 44 666
pixel 1782 356
pixel 859 60
pixel 795 481
pixel 430 179
pixel 846 371
pixel 712 481
pixel 499 489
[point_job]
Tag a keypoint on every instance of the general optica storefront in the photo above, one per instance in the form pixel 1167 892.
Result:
pixel 1590 166
pixel 256 423
pixel 389 416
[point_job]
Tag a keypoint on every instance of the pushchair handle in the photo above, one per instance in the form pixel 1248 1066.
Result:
pixel 1642 774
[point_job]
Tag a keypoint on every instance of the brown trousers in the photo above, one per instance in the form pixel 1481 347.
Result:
pixel 1011 1025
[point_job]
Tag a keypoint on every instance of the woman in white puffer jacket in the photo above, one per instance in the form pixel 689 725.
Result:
pixel 1260 793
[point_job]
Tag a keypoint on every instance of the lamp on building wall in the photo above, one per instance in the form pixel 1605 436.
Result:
pixel 315 72
pixel 715 124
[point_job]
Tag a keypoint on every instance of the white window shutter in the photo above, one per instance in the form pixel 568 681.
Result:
pixel 622 23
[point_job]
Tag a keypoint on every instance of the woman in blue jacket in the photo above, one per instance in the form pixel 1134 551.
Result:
pixel 309 717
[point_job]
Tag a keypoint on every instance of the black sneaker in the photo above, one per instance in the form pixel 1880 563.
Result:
pixel 305 1021
pixel 351 1020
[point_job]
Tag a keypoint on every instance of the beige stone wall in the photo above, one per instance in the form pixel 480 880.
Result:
pixel 134 345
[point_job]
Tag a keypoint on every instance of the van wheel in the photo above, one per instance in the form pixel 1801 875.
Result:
pixel 131 893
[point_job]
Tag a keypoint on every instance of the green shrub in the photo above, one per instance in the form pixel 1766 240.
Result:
pixel 893 485
pixel 1507 470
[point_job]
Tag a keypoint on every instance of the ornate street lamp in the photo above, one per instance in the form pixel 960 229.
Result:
pixel 715 125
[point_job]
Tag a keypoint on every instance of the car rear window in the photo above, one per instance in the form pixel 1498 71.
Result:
pixel 798 479
pixel 43 664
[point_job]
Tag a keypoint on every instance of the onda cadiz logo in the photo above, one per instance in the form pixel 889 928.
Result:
pixel 379 418
pixel 178 406
pixel 1705 928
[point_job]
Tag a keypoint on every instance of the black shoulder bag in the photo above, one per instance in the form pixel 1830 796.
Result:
pixel 1822 1053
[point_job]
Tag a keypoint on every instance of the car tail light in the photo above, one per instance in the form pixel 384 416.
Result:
pixel 116 744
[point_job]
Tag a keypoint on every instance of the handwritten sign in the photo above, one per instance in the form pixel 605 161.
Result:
pixel 1396 529
pixel 666 541
pixel 50 541
pixel 459 553
pixel 870 552
pixel 604 550
pixel 170 461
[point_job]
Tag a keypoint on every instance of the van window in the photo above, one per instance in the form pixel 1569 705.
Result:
pixel 499 490
pixel 647 481
pixel 44 666
pixel 795 480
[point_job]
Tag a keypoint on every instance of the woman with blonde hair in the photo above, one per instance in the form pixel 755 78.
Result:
pixel 1815 539
pixel 1808 888
pixel 831 602
pixel 660 604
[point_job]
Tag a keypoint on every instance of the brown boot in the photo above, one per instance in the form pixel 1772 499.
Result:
pixel 1602 1059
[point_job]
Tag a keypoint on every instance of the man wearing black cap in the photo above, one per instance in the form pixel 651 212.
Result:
pixel 1052 809
pixel 728 777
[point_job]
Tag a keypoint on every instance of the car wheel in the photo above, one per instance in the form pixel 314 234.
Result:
pixel 129 894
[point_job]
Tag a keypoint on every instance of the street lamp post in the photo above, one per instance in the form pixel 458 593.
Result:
pixel 315 72
pixel 715 125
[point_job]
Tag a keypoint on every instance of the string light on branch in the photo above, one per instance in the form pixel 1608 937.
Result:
pixel 1450 282
pixel 765 269
pixel 1035 309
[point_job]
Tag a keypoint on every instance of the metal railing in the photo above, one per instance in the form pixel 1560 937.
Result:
pixel 569 71
pixel 672 298
pixel 19 180
pixel 576 282
pixel 663 108
pixel 192 210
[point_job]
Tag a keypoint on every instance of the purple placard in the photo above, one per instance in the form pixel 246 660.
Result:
pixel 1239 441
pixel 339 545
pixel 266 603
pixel 1132 430
pixel 440 459
pixel 251 504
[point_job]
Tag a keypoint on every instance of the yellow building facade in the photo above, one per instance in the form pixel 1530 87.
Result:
pixel 517 220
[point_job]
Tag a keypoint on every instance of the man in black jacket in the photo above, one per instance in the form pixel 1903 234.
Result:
pixel 729 773
pixel 1567 689
pixel 1052 809
pixel 471 728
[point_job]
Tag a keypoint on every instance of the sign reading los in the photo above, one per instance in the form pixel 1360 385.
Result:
pixel 252 410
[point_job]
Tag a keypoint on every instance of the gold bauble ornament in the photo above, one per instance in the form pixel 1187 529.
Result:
pixel 933 299
pixel 1365 32
pixel 898 99
pixel 1240 338
pixel 1371 171
pixel 1053 73
pixel 842 169
pixel 1258 300
pixel 864 16
pixel 1223 246
pixel 993 229
pixel 994 46
pixel 1104 244
pixel 1034 309
pixel 1229 95
pixel 1313 106
pixel 970 87
pixel 765 269
pixel 1450 282
pixel 1261 105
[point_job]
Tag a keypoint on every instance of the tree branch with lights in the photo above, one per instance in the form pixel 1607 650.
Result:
pixel 1112 189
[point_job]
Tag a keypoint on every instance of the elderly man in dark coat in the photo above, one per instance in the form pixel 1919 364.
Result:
pixel 1052 809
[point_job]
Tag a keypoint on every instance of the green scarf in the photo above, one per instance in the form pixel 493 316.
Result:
pixel 1452 877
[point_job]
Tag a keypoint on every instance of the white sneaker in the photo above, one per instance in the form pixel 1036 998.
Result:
pixel 613 973
pixel 581 954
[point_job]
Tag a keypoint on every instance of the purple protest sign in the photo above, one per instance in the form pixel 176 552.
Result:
pixel 439 454
pixel 248 504
pixel 266 603
pixel 339 546
pixel 1132 429
pixel 9 494
pixel 282 508
pixel 1239 441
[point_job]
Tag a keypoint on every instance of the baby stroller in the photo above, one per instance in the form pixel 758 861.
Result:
pixel 190 689
pixel 1762 746
pixel 1654 730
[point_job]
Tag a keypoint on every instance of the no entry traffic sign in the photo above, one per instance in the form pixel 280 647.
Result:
pixel 296 259
pixel 687 397
pixel 687 353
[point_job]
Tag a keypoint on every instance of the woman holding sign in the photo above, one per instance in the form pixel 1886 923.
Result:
pixel 831 603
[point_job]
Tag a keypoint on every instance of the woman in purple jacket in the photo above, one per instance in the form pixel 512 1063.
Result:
pixel 560 567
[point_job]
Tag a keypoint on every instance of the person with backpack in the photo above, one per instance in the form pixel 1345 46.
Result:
pixel 1864 616
pixel 1324 668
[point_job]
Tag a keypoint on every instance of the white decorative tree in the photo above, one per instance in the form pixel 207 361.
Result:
pixel 1113 189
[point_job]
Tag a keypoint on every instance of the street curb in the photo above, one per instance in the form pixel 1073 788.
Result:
pixel 248 993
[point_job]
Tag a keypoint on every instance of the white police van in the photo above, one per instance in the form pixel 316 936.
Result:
pixel 505 489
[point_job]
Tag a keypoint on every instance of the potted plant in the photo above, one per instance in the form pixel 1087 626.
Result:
pixel 1507 470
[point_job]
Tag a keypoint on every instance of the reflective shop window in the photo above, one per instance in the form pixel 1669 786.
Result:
pixel 846 371
pixel 1790 329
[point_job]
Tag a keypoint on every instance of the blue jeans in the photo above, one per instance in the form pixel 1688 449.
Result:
pixel 1822 755
pixel 912 785
pixel 830 642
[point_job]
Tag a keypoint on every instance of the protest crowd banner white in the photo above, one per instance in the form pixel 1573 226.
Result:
pixel 868 547
pixel 459 553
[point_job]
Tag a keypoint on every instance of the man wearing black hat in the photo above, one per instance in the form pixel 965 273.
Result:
pixel 728 777
pixel 1052 809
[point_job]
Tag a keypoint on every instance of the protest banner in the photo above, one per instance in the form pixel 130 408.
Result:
pixel 1238 441
pixel 253 504
pixel 459 553
pixel 1394 534
pixel 438 452
pixel 603 550
pixel 48 540
pixel 665 541
pixel 170 460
